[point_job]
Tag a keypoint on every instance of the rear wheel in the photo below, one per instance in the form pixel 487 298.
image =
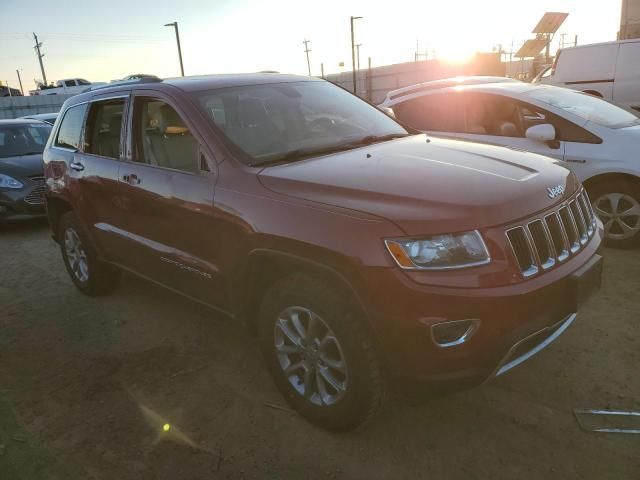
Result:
pixel 617 203
pixel 320 354
pixel 90 275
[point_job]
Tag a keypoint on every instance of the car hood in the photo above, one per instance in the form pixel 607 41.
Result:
pixel 427 186
pixel 23 166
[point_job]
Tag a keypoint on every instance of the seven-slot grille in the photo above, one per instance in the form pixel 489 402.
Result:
pixel 36 196
pixel 551 239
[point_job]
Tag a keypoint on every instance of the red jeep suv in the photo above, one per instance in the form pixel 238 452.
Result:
pixel 359 250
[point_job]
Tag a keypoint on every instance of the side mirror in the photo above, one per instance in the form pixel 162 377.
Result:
pixel 545 133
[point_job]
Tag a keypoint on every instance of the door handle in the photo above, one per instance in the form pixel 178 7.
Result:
pixel 77 166
pixel 131 179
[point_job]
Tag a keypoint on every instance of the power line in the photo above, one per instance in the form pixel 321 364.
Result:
pixel 306 50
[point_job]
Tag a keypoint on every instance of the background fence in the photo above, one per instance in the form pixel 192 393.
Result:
pixel 14 107
pixel 374 83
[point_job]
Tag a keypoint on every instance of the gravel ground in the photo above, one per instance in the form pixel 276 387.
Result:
pixel 86 386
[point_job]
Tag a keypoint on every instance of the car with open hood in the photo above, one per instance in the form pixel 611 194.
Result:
pixel 358 250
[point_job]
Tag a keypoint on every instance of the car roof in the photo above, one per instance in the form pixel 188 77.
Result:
pixel 446 83
pixel 504 88
pixel 37 116
pixel 199 83
pixel 19 121
pixel 589 45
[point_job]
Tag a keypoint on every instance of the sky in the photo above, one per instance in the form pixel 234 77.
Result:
pixel 103 41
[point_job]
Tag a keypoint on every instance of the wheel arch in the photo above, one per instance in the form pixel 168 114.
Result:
pixel 601 178
pixel 595 93
pixel 264 266
pixel 56 207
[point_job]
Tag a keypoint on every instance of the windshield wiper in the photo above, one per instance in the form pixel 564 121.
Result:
pixel 28 153
pixel 302 153
pixel 369 139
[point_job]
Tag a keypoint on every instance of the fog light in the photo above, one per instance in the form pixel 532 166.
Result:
pixel 454 332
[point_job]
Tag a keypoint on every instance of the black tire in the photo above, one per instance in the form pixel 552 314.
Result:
pixel 614 237
pixel 364 394
pixel 98 278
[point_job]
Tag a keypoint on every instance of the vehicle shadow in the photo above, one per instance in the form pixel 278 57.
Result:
pixel 23 226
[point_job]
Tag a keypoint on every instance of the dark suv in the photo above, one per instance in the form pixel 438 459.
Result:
pixel 359 250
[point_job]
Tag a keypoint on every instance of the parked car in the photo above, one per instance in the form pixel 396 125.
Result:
pixel 594 138
pixel 21 170
pixel 68 86
pixel 357 249
pixel 49 118
pixel 607 70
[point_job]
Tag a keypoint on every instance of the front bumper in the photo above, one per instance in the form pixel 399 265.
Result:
pixel 515 321
pixel 26 202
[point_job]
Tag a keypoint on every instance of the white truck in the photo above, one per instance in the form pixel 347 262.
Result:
pixel 66 86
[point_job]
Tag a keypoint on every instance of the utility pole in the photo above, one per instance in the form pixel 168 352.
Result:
pixel 322 70
pixel 353 56
pixel 358 55
pixel 306 50
pixel 40 55
pixel 175 26
pixel 20 82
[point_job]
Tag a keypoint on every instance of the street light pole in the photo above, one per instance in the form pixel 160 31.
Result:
pixel 175 26
pixel 353 56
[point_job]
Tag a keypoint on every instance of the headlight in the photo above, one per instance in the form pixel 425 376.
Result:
pixel 439 252
pixel 9 182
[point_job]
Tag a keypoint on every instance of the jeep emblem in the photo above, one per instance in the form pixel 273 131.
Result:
pixel 556 191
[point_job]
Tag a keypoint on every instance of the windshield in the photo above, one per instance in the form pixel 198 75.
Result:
pixel 23 139
pixel 587 107
pixel 294 119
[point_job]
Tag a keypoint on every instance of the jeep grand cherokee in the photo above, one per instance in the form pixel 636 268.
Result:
pixel 358 250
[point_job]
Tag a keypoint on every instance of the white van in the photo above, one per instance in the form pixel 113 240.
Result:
pixel 608 70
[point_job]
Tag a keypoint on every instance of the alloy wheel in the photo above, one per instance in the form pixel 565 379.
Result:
pixel 620 214
pixel 76 255
pixel 310 356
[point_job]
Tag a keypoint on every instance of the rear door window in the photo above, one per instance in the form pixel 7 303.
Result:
pixel 104 128
pixel 71 127
pixel 432 113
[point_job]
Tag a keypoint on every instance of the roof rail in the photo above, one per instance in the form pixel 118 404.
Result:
pixel 128 82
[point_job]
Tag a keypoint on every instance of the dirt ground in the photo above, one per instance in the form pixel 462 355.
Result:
pixel 86 386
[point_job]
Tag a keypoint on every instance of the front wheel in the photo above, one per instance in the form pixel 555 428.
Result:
pixel 90 275
pixel 320 354
pixel 617 203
